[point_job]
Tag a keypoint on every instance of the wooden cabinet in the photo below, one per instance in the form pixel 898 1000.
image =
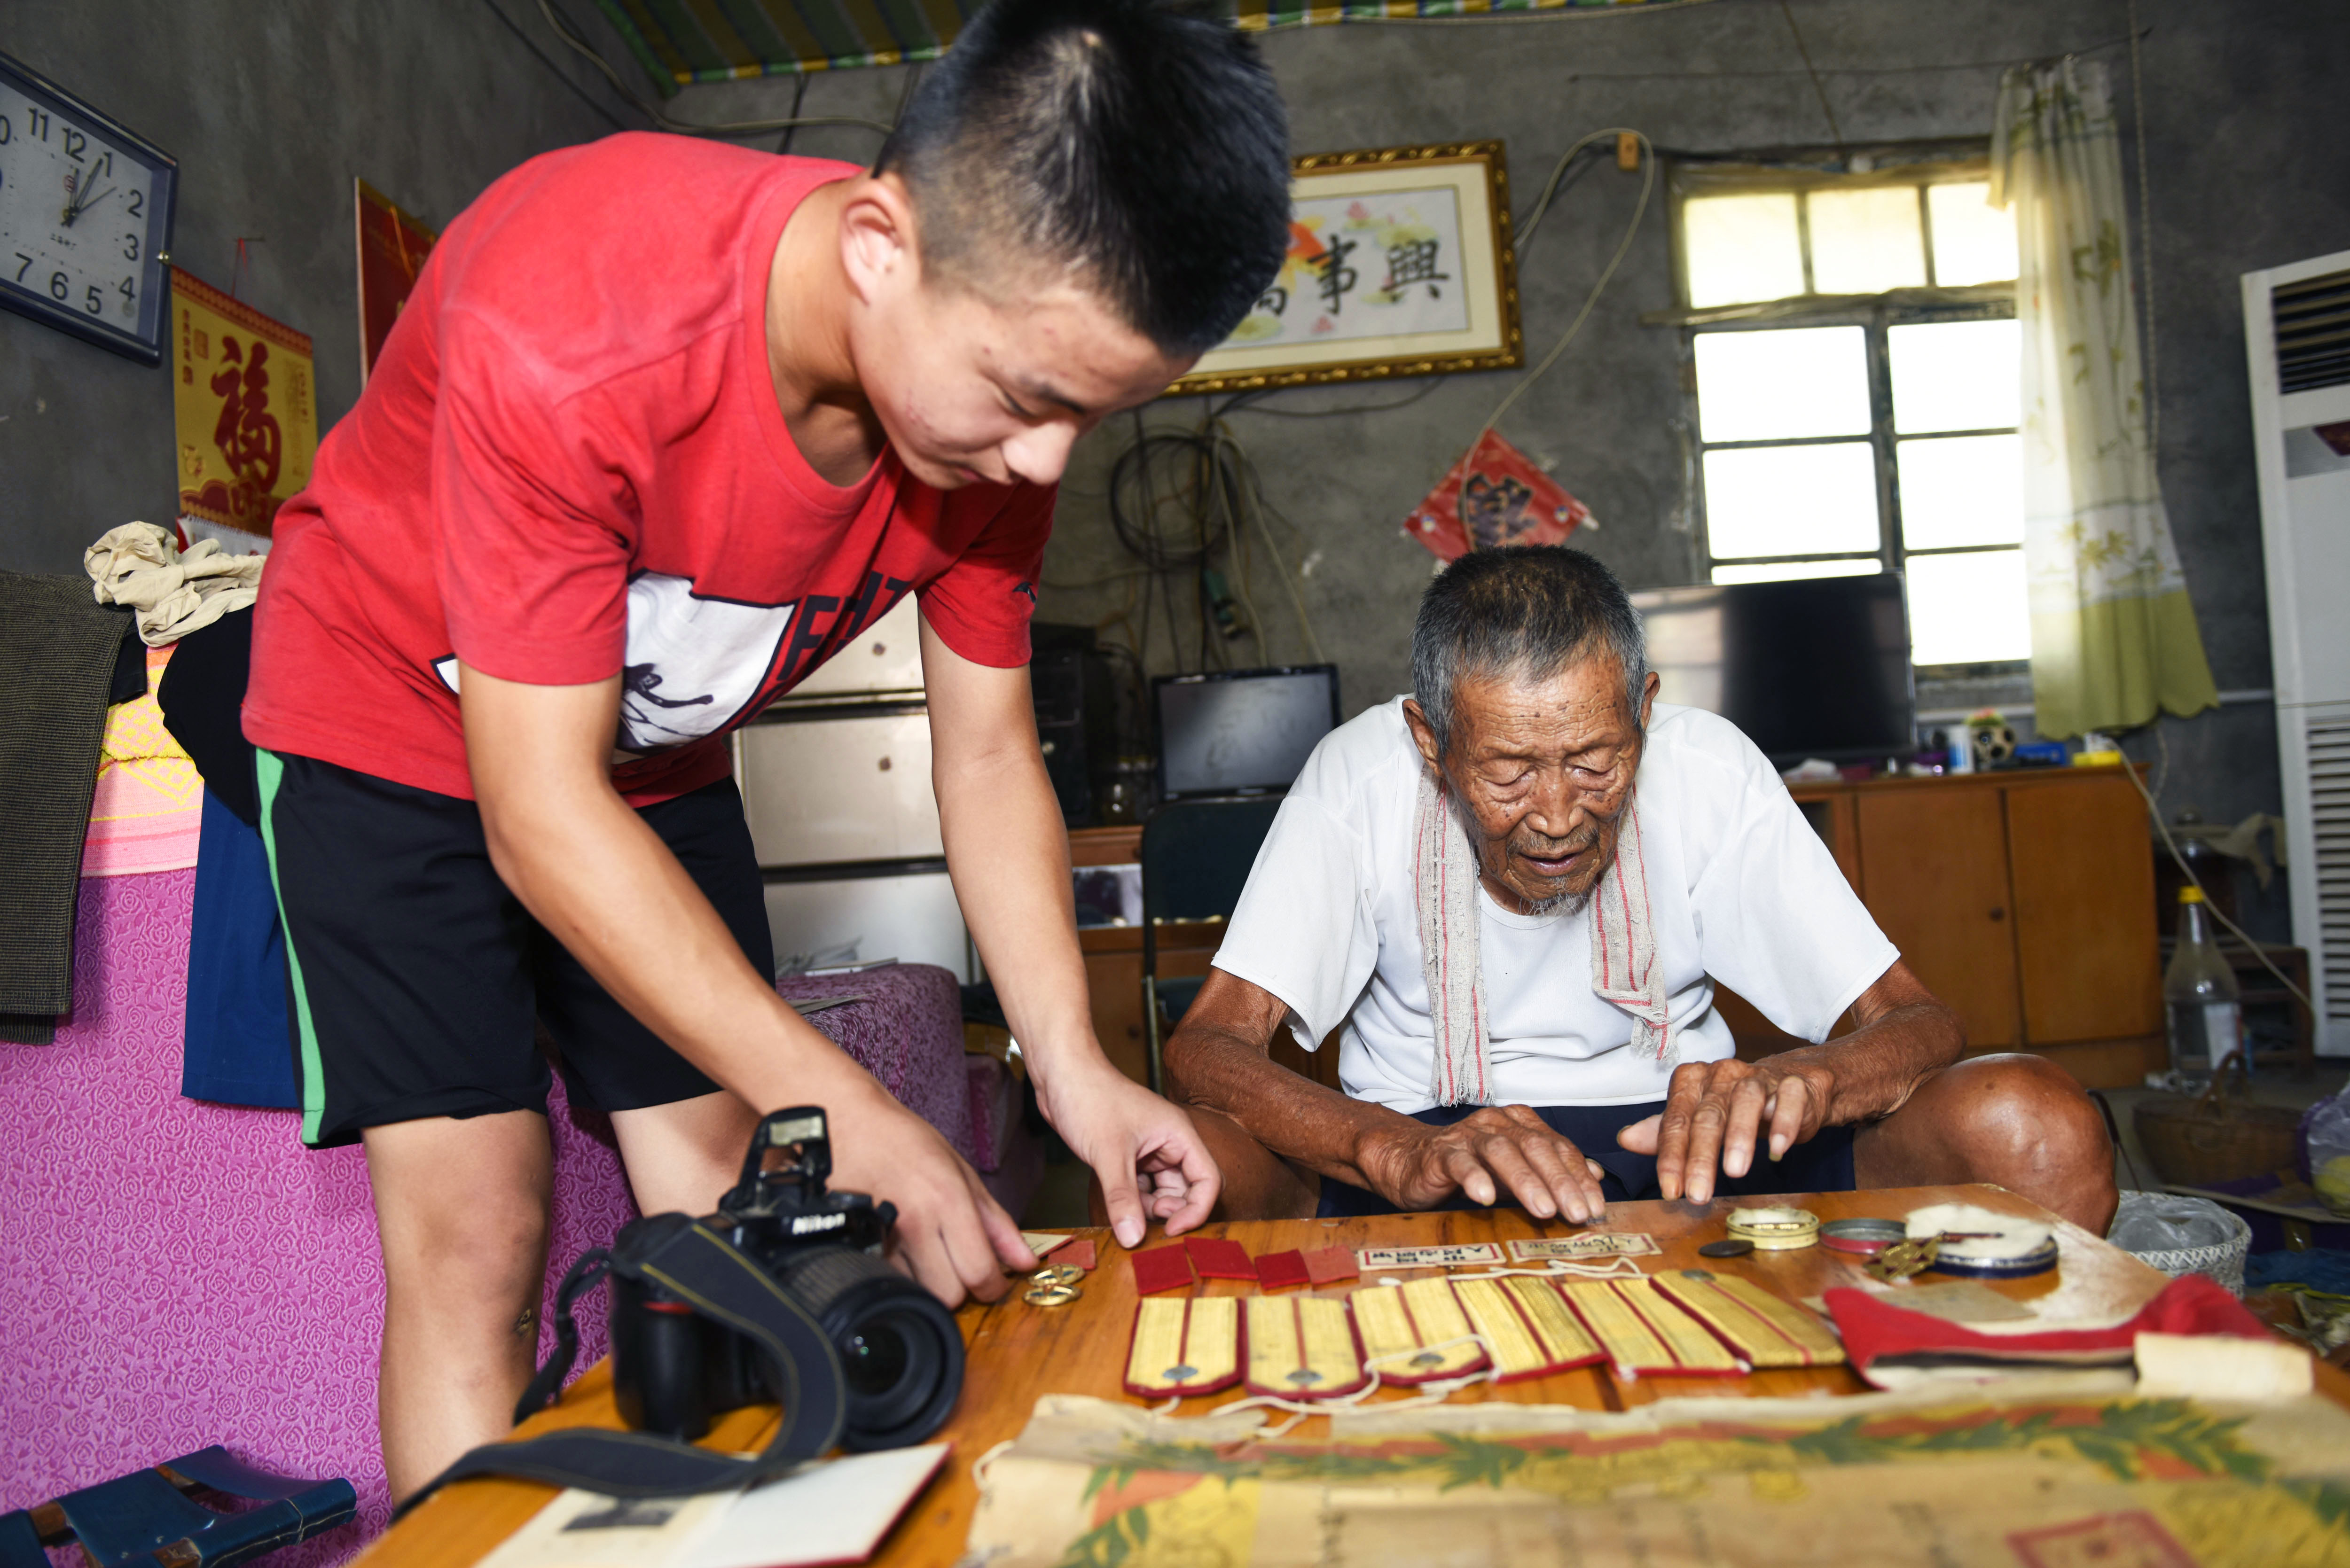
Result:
pixel 2025 900
pixel 1934 872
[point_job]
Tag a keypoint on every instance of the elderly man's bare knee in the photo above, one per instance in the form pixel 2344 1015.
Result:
pixel 2019 1121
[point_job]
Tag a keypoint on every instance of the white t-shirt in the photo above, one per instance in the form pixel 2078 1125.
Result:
pixel 1742 891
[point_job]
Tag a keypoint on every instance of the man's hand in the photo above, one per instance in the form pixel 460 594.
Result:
pixel 1716 1111
pixel 1128 1134
pixel 950 1236
pixel 1415 1165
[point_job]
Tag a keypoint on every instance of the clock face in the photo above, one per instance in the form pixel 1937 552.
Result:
pixel 85 215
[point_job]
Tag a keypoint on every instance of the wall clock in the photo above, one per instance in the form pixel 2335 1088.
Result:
pixel 85 218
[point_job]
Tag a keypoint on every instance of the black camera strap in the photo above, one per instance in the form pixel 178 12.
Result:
pixel 701 1267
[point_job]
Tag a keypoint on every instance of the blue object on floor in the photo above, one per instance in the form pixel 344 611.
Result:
pixel 238 1051
pixel 2324 1270
pixel 146 1520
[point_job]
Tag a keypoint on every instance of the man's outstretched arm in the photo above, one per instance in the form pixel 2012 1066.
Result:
pixel 1009 855
pixel 583 862
pixel 1219 1062
pixel 1716 1113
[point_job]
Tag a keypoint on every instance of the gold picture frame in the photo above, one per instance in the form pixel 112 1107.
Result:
pixel 1416 241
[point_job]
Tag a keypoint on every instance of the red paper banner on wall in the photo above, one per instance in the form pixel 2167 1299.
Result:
pixel 1494 496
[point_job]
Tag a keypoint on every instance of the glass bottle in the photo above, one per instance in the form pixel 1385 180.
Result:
pixel 2199 995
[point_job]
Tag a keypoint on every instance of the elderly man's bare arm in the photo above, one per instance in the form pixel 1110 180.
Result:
pixel 1716 1113
pixel 1251 1110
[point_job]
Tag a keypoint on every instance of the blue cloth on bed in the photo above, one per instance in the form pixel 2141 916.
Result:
pixel 238 1050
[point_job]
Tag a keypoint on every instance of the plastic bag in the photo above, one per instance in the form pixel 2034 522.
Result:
pixel 2321 1150
pixel 2183 1235
pixel 2168 1223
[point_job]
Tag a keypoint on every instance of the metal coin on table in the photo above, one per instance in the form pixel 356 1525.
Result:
pixel 1058 1274
pixel 1051 1296
pixel 1725 1249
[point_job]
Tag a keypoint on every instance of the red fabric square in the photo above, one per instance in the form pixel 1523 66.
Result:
pixel 1328 1265
pixel 1080 1251
pixel 1161 1268
pixel 1220 1259
pixel 1278 1270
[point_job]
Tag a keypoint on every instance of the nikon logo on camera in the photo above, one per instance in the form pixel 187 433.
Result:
pixel 807 1223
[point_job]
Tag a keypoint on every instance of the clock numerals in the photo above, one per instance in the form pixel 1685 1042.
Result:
pixel 58 288
pixel 137 200
pixel 75 141
pixel 23 262
pixel 37 123
pixel 8 131
pixel 131 246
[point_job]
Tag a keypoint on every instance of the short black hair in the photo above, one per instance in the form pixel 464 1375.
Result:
pixel 1527 608
pixel 1139 143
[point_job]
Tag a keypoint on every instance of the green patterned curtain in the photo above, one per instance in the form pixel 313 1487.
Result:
pixel 2114 637
pixel 681 42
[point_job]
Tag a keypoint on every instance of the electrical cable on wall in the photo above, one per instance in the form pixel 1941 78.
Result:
pixel 1623 249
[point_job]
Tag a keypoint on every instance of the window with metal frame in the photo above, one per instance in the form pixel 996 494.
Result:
pixel 1852 366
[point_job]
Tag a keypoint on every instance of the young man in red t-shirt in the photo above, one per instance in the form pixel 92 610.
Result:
pixel 665 424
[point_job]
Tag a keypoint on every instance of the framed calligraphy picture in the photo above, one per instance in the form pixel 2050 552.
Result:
pixel 1400 264
pixel 246 407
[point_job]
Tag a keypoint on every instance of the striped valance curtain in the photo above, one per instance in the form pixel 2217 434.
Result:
pixel 681 42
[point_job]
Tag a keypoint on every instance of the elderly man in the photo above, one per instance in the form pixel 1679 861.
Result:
pixel 1517 891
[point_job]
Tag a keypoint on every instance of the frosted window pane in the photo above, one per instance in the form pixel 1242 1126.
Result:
pixel 1777 385
pixel 1742 248
pixel 1962 490
pixel 1967 610
pixel 1791 500
pixel 1866 241
pixel 1788 571
pixel 1974 242
pixel 1956 375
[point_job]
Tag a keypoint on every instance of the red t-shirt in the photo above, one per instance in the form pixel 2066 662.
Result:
pixel 570 463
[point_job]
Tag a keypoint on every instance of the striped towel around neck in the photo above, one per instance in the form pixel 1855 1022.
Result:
pixel 1624 967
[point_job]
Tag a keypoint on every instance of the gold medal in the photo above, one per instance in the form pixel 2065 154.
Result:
pixel 1051 1294
pixel 1058 1274
pixel 1903 1259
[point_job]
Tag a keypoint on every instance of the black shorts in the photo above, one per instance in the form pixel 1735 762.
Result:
pixel 418 978
pixel 1822 1165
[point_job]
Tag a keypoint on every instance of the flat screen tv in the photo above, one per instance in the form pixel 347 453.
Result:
pixel 1816 667
pixel 1240 732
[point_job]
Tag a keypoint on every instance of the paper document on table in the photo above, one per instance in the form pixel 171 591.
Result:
pixel 1591 1244
pixel 1451 1257
pixel 837 1512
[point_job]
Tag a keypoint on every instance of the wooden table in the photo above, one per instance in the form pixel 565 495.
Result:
pixel 1018 1352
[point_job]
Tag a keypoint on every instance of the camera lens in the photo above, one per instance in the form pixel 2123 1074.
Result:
pixel 900 1349
pixel 874 1357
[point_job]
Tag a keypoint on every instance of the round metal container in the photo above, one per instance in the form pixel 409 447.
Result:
pixel 1865 1237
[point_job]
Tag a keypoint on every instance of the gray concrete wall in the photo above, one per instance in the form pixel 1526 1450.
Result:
pixel 271 108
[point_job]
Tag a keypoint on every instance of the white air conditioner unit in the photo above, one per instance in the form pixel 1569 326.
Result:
pixel 2297 333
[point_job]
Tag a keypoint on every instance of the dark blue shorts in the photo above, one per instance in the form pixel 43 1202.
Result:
pixel 1822 1165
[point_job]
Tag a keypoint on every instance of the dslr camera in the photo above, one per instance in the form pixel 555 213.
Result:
pixel 900 1353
